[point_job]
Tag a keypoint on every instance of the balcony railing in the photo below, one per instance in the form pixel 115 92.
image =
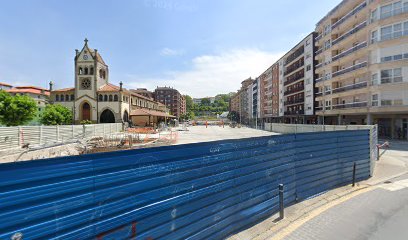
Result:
pixel 295 77
pixel 324 78
pixel 294 90
pixel 319 37
pixel 349 51
pixel 391 13
pixel 318 94
pixel 350 14
pixel 299 112
pixel 294 55
pixel 350 69
pixel 349 33
pixel 293 68
pixel 296 101
pixel 350 87
pixel 319 51
pixel 351 105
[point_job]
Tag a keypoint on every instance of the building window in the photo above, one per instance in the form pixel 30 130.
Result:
pixel 80 72
pixel 105 98
pixel 374 101
pixel 86 71
pixel 67 97
pixel 308 67
pixel 391 75
pixel 110 98
pixel 62 97
pixel 374 36
pixel 86 84
pixel 115 98
pixel 374 79
pixel 100 98
pixel 91 71
pixel 386 102
pixel 398 102
pixel 72 97
pixel 57 98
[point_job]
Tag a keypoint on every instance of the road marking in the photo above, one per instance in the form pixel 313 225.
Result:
pixel 395 186
pixel 299 222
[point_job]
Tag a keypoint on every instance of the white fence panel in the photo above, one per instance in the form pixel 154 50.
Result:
pixel 14 137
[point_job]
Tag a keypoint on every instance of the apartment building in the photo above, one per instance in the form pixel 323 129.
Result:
pixel 362 65
pixel 172 98
pixel 297 77
pixel 266 106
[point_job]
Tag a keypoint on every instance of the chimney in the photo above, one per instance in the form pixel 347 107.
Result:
pixel 121 86
pixel 51 85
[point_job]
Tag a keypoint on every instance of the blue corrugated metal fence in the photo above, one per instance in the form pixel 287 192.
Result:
pixel 194 191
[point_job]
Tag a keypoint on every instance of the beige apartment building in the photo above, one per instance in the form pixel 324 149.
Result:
pixel 362 65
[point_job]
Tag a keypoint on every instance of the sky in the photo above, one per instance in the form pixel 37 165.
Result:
pixel 200 47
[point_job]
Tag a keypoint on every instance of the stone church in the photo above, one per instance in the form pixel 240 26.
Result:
pixel 93 98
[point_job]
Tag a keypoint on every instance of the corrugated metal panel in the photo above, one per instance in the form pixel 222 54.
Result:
pixel 194 191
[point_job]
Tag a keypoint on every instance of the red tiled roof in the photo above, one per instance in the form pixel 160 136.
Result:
pixel 29 89
pixel 109 88
pixel 5 84
pixel 147 112
pixel 63 90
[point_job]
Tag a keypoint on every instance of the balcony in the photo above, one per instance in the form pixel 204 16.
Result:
pixel 349 33
pixel 350 105
pixel 294 90
pixel 318 94
pixel 319 51
pixel 324 78
pixel 294 55
pixel 294 67
pixel 299 112
pixel 350 14
pixel 350 69
pixel 349 51
pixel 295 101
pixel 319 37
pixel 294 77
pixel 350 87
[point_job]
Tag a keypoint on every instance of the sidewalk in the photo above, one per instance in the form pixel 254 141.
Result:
pixel 368 211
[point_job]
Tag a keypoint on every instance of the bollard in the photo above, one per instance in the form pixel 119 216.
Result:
pixel 378 152
pixel 354 175
pixel 281 206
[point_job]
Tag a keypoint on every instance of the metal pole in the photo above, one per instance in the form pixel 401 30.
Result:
pixel 354 175
pixel 281 205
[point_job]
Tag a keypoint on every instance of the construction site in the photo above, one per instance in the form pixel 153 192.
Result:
pixel 128 138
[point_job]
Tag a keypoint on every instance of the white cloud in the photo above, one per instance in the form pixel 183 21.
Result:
pixel 213 74
pixel 170 52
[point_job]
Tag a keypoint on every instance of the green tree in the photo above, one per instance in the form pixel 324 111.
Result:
pixel 189 102
pixel 16 110
pixel 206 102
pixel 56 115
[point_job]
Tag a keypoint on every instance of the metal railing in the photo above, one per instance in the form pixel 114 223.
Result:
pixel 349 14
pixel 349 33
pixel 349 51
pixel 296 101
pixel 294 90
pixel 350 69
pixel 350 105
pixel 350 87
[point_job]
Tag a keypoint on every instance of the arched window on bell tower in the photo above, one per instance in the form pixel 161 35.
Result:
pixel 86 70
pixel 80 71
pixel 100 73
pixel 91 70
